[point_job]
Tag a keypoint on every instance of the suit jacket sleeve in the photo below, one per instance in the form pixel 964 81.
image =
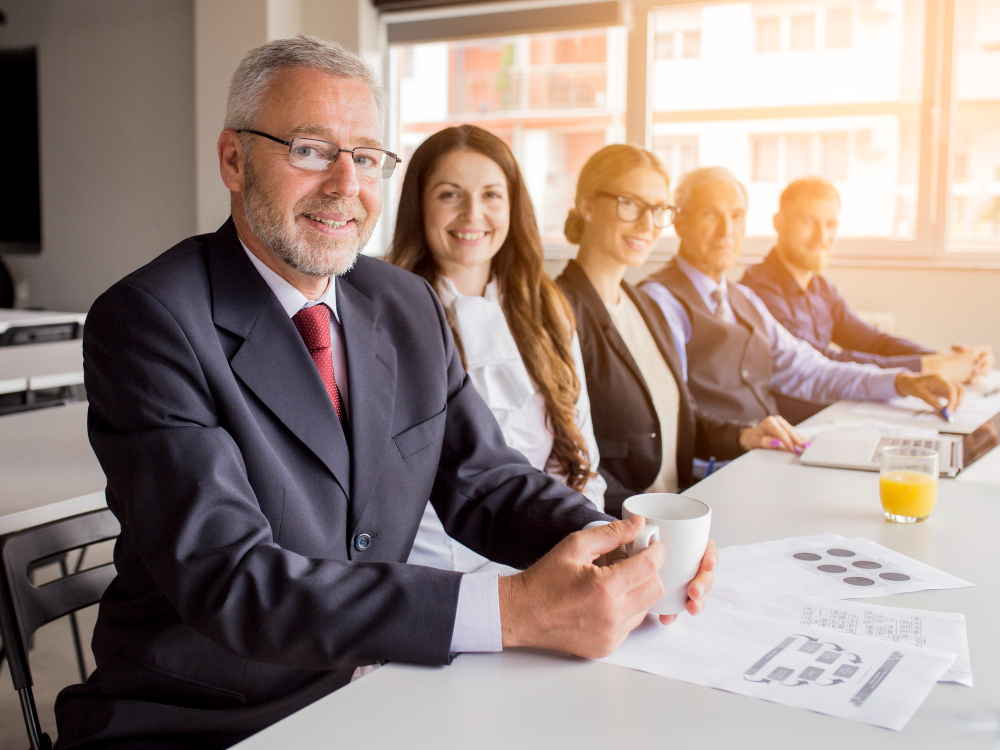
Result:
pixel 179 484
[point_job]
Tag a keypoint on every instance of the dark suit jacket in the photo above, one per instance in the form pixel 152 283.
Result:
pixel 625 423
pixel 242 593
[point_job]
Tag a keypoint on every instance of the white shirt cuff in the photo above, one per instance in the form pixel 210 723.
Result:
pixel 477 617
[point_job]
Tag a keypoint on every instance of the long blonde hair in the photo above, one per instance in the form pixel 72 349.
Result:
pixel 540 319
pixel 601 168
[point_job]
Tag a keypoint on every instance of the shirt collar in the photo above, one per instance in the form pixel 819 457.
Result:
pixel 704 283
pixel 290 298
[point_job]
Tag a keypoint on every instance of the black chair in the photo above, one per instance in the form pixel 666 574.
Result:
pixel 25 607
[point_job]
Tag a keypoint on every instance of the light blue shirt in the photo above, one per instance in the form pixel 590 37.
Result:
pixel 799 370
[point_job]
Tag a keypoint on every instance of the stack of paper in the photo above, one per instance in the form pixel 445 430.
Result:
pixel 766 636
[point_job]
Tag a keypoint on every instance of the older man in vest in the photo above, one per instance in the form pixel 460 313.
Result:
pixel 739 360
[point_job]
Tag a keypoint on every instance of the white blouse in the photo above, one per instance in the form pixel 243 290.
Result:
pixel 500 377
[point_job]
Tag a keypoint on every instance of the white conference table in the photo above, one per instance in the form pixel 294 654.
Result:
pixel 525 699
pixel 40 366
pixel 48 470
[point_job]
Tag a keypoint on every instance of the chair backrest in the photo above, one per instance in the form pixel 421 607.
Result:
pixel 25 607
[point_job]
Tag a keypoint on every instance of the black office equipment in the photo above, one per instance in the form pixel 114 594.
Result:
pixel 21 208
pixel 25 607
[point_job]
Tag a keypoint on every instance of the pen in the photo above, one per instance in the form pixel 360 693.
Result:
pixel 945 415
pixel 711 465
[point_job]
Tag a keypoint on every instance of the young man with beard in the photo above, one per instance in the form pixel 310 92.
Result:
pixel 273 413
pixel 790 281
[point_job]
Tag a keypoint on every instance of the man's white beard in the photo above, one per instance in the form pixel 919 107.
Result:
pixel 311 256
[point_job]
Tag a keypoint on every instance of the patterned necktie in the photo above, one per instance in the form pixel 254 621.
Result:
pixel 721 304
pixel 313 325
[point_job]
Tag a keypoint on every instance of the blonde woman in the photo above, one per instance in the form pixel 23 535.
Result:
pixel 647 425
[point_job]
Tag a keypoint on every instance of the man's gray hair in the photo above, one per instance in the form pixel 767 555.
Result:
pixel 698 178
pixel 254 73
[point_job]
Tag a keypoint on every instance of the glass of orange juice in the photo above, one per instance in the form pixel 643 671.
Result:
pixel 908 483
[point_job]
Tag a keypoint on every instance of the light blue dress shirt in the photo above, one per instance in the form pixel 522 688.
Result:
pixel 799 370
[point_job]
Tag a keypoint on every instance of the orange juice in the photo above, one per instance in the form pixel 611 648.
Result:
pixel 908 493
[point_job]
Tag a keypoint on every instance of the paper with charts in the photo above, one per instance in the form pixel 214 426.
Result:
pixel 827 566
pixel 940 631
pixel 850 676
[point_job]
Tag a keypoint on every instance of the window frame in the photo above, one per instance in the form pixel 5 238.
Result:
pixel 931 246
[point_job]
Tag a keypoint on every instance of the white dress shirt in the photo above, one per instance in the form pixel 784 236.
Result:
pixel 799 370
pixel 498 374
pixel 477 618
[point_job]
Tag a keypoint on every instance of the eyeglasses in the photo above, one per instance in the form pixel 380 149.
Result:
pixel 313 155
pixel 632 209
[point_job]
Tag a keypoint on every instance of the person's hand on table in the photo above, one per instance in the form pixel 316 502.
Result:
pixel 961 363
pixel 937 391
pixel 773 432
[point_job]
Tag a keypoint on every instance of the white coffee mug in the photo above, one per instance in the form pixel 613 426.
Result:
pixel 681 524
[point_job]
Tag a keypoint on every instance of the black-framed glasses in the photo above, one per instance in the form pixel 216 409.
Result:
pixel 313 155
pixel 631 209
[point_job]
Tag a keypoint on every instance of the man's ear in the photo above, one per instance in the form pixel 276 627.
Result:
pixel 231 160
pixel 779 222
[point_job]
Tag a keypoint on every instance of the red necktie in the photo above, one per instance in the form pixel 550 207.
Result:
pixel 313 325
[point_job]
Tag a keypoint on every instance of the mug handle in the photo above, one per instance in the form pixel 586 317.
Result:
pixel 648 534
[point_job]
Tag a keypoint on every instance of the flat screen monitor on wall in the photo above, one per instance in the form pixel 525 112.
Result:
pixel 20 209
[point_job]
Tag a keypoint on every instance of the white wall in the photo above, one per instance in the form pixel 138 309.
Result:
pixel 117 139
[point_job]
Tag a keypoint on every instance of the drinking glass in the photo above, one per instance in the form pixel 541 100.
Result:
pixel 908 483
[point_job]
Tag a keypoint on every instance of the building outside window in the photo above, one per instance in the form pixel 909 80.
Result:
pixel 554 98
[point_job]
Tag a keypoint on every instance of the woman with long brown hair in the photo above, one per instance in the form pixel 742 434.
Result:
pixel 465 223
pixel 647 424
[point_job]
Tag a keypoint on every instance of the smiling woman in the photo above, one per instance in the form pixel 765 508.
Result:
pixel 645 420
pixel 465 223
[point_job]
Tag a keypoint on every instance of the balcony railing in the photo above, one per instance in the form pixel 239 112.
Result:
pixel 513 89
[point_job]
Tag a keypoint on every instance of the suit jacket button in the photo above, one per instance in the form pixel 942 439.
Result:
pixel 652 435
pixel 362 542
pixel 745 374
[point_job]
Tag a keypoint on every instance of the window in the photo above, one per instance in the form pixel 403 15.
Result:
pixel 679 154
pixel 803 31
pixel 838 28
pixel 768 35
pixel 554 98
pixel 834 156
pixel 974 221
pixel 664 46
pixel 765 158
pixel 692 44
pixel 772 89
pixel 772 114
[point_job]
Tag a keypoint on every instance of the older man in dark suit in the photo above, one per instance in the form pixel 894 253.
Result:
pixel 273 413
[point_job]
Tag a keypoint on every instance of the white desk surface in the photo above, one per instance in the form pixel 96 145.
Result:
pixel 37 366
pixel 47 468
pixel 522 699
pixel 14 318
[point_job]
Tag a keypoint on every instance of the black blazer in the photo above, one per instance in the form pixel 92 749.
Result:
pixel 245 588
pixel 625 422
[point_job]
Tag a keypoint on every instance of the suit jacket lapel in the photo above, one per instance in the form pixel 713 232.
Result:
pixel 371 377
pixel 272 361
pixel 575 273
